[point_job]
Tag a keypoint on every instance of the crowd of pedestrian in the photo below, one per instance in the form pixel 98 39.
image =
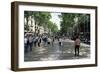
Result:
pixel 31 41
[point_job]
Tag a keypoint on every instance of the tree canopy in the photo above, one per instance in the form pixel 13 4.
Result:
pixel 68 21
pixel 41 19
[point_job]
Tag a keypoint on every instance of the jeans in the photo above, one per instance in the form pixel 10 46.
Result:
pixel 77 50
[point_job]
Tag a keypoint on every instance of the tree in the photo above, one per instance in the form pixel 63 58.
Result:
pixel 41 18
pixel 53 27
pixel 67 20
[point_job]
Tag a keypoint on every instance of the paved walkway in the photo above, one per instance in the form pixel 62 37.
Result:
pixel 56 52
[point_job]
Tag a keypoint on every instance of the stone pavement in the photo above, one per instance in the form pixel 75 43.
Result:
pixel 56 52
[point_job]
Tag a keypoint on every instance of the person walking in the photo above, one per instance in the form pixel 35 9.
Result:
pixel 25 44
pixel 35 41
pixel 77 46
pixel 49 41
pixel 39 41
pixel 45 40
pixel 53 40
pixel 60 42
pixel 30 42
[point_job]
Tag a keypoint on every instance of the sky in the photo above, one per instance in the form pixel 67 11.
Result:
pixel 56 19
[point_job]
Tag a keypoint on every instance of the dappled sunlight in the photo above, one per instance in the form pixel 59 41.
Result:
pixel 57 52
